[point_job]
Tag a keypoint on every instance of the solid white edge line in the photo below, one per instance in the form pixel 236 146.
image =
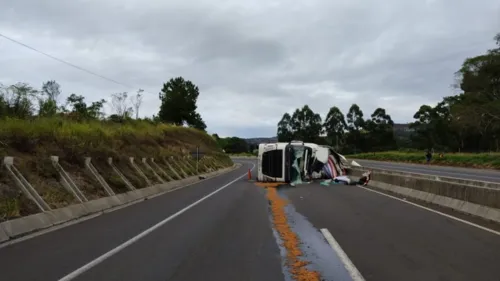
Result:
pixel 434 211
pixel 103 212
pixel 349 266
pixel 134 239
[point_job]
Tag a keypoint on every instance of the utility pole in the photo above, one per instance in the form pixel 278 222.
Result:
pixel 197 157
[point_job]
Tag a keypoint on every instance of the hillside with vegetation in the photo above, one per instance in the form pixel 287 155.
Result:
pixel 34 125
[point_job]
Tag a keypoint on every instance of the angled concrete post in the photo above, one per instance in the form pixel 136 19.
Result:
pixel 185 167
pixel 66 180
pixel 208 163
pixel 202 167
pixel 122 176
pixel 190 164
pixel 139 171
pixel 165 174
pixel 99 178
pixel 214 163
pixel 145 162
pixel 172 169
pixel 24 185
pixel 179 168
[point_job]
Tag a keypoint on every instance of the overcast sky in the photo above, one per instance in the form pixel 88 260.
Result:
pixel 252 60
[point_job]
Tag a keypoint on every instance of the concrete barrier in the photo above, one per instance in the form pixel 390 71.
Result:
pixel 19 227
pixel 477 183
pixel 464 196
pixel 3 236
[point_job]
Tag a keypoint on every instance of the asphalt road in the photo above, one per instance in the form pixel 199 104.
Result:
pixel 228 236
pixel 444 171
pixel 387 239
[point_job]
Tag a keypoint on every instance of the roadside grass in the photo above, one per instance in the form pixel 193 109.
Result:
pixel 473 160
pixel 32 142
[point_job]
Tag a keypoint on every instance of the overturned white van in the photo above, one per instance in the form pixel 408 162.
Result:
pixel 296 161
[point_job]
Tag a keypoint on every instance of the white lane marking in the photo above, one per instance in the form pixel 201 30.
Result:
pixel 434 211
pixel 349 266
pixel 106 211
pixel 428 172
pixel 136 238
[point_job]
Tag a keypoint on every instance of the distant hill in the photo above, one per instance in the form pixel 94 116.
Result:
pixel 256 141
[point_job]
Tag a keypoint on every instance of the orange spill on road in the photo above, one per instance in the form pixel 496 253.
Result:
pixel 290 240
pixel 269 184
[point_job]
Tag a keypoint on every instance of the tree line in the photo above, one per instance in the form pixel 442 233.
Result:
pixel 467 122
pixel 350 133
pixel 178 104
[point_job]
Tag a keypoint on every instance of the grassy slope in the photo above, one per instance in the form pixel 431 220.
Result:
pixel 32 142
pixel 479 160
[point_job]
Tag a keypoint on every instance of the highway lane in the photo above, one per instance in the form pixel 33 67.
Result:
pixel 226 237
pixel 229 236
pixel 444 171
pixel 387 239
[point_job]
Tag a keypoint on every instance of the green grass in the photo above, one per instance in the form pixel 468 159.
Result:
pixel 31 142
pixel 476 160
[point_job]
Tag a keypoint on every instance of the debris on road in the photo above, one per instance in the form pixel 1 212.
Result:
pixel 297 266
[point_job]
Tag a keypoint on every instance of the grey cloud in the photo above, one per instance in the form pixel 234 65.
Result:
pixel 253 60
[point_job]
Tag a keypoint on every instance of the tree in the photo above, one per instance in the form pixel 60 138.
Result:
pixel 196 122
pixel 18 100
pixel 355 123
pixel 120 105
pixel 48 99
pixel 137 102
pixel 285 132
pixel 52 90
pixel 306 125
pixel 380 130
pixel 355 119
pixel 233 145
pixel 424 134
pixel 335 126
pixel 469 121
pixel 81 111
pixel 178 103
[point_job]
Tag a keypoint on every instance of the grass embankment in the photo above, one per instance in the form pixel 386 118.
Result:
pixel 473 160
pixel 33 142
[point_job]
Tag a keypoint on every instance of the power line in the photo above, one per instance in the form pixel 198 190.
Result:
pixel 68 63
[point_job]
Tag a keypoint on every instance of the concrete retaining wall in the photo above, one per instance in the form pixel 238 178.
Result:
pixel 464 196
pixel 22 226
